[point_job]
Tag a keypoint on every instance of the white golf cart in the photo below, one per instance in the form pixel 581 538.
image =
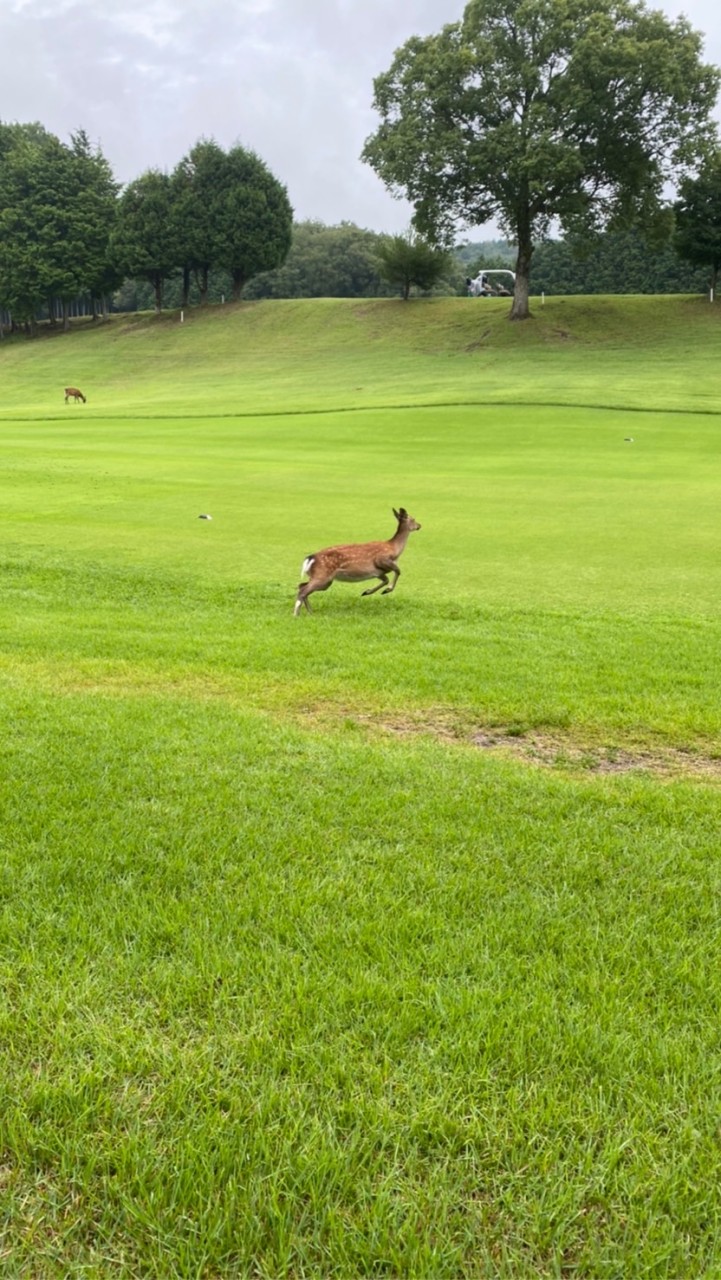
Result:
pixel 481 287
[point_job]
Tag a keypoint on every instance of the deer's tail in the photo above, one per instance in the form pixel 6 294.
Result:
pixel 307 565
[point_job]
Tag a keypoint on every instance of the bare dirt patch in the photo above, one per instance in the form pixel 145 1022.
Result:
pixel 555 749
pixel 560 752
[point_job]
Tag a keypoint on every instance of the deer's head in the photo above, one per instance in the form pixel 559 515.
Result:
pixel 406 522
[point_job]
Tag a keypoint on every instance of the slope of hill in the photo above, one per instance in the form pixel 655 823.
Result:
pixel 281 356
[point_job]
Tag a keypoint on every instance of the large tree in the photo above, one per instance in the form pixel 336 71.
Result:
pixel 57 207
pixel 698 220
pixel 144 243
pixel 256 219
pixel 231 213
pixel 535 111
pixel 199 186
pixel 94 213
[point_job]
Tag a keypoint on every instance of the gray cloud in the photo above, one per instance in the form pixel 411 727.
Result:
pixel 290 78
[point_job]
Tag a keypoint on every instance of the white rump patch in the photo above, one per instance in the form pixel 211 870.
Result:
pixel 307 564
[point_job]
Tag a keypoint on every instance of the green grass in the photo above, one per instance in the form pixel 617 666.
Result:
pixel 297 980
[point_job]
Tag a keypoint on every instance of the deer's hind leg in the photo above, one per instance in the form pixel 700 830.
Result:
pixel 383 583
pixel 306 589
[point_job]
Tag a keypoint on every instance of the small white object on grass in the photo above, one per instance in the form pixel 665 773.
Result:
pixel 628 439
pixel 205 517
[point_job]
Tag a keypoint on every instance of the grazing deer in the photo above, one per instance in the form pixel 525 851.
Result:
pixel 357 563
pixel 75 394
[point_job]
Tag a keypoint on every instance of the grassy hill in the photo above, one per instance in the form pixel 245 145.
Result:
pixel 383 941
pixel 309 354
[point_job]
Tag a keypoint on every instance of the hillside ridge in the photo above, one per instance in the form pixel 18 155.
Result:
pixel 273 356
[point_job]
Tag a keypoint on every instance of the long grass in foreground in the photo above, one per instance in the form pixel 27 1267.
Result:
pixel 297 977
pixel 290 1003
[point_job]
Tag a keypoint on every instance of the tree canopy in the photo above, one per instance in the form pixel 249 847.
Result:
pixel 697 236
pixel 409 260
pixel 324 262
pixel 258 219
pixel 531 111
pixel 57 210
pixel 146 242
pixel 231 213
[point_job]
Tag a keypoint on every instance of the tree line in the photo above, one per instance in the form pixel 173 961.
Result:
pixel 324 261
pixel 68 231
pixel 344 261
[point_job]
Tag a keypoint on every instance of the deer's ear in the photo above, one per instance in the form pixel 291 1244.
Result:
pixel 397 514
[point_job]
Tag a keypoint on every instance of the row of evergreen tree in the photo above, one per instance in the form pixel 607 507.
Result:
pixel 68 232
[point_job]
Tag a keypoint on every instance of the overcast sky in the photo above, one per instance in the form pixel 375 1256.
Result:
pixel 292 79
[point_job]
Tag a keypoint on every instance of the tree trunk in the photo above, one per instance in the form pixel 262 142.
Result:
pixel 158 286
pixel 186 287
pixel 202 278
pixel 238 282
pixel 66 316
pixel 520 308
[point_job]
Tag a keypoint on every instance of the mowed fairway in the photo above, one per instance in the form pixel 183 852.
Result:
pixel 382 941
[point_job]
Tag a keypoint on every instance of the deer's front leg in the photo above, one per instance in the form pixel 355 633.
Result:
pixel 396 575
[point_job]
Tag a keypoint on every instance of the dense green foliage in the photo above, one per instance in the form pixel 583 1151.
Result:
pixel 57 212
pixel 619 262
pixel 384 942
pixel 342 262
pixel 408 260
pixel 145 242
pixel 259 220
pixel 230 214
pixel 325 262
pixel 532 112
pixel 698 220
pixel 64 233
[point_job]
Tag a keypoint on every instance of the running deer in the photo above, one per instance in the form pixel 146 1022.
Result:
pixel 72 392
pixel 357 563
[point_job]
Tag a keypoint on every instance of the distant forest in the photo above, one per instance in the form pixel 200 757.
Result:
pixel 341 262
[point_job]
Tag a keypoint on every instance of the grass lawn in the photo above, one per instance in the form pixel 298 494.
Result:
pixel 382 941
